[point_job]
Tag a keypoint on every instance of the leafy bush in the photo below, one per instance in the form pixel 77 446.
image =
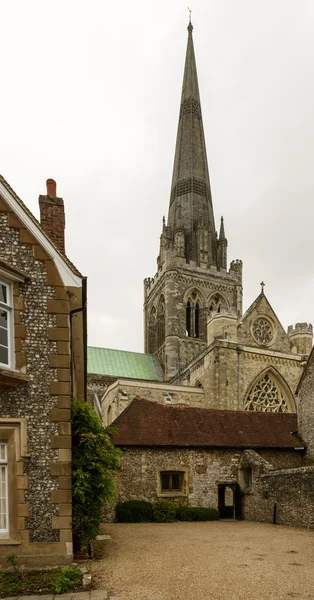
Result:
pixel 134 511
pixel 196 513
pixel 94 465
pixel 164 511
pixel 70 578
pixel 20 582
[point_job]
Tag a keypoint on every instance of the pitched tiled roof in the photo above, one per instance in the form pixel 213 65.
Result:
pixel 119 363
pixel 149 423
pixel 31 216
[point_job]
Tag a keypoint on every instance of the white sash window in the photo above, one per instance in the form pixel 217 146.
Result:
pixel 6 325
pixel 4 507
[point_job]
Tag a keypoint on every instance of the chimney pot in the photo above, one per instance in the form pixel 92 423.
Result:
pixel 51 188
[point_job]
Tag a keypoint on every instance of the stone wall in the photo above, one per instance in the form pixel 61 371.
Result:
pixel 227 371
pixel 290 490
pixel 204 470
pixel 305 399
pixel 39 406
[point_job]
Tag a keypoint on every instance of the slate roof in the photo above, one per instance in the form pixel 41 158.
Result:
pixel 149 423
pixel 120 363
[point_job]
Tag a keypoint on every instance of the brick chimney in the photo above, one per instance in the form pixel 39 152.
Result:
pixel 52 217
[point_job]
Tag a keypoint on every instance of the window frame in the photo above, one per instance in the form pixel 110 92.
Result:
pixel 5 463
pixel 8 307
pixel 181 491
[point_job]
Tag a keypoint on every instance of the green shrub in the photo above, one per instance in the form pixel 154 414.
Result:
pixel 164 511
pixel 196 513
pixel 134 511
pixel 94 464
pixel 70 578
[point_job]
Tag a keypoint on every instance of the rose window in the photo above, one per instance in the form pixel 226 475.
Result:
pixel 266 397
pixel 262 331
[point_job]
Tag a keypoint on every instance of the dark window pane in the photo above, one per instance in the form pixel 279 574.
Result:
pixel 165 481
pixel 3 337
pixel 4 355
pixel 3 319
pixel 3 293
pixel 176 481
pixel 197 320
pixel 188 319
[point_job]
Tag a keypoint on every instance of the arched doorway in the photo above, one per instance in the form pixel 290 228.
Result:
pixel 230 501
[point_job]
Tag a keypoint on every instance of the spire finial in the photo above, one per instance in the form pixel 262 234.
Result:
pixel 190 26
pixel 262 284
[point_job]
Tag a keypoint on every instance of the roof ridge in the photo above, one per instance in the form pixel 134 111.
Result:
pixel 125 351
pixel 37 223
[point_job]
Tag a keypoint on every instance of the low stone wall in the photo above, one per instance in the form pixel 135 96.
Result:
pixel 290 490
pixel 204 470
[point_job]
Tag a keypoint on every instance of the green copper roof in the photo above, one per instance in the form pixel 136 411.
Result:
pixel 119 363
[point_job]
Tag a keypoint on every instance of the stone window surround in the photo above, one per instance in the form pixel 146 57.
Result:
pixel 14 432
pixel 246 489
pixel 4 523
pixel 175 494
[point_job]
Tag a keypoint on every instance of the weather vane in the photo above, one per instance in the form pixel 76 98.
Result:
pixel 189 9
pixel 262 284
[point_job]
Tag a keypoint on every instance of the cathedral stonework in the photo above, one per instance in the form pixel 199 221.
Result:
pixel 193 305
pixel 223 420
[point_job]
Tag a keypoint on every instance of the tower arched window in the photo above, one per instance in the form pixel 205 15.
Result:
pixel 161 322
pixel 194 321
pixel 216 302
pixel 152 331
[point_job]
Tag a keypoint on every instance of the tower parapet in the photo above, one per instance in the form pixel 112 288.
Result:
pixel 300 337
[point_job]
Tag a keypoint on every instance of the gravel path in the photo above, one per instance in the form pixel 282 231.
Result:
pixel 205 561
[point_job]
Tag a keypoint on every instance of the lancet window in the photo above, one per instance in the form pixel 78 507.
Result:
pixel 268 395
pixel 161 322
pixel 152 332
pixel 194 317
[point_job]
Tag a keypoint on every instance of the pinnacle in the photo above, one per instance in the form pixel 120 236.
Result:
pixel 222 235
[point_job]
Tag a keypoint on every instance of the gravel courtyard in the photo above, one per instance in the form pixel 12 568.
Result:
pixel 205 561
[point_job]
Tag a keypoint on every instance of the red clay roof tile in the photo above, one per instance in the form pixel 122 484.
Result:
pixel 149 423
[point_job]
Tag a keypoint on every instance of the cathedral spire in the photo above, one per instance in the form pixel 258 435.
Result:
pixel 190 209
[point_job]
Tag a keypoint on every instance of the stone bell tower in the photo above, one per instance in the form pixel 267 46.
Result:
pixel 192 278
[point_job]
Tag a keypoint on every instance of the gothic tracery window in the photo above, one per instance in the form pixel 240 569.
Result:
pixel 267 396
pixel 262 331
pixel 215 303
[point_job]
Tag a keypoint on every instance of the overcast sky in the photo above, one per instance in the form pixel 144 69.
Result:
pixel 90 96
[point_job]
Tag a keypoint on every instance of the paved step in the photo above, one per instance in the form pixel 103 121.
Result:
pixel 91 595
